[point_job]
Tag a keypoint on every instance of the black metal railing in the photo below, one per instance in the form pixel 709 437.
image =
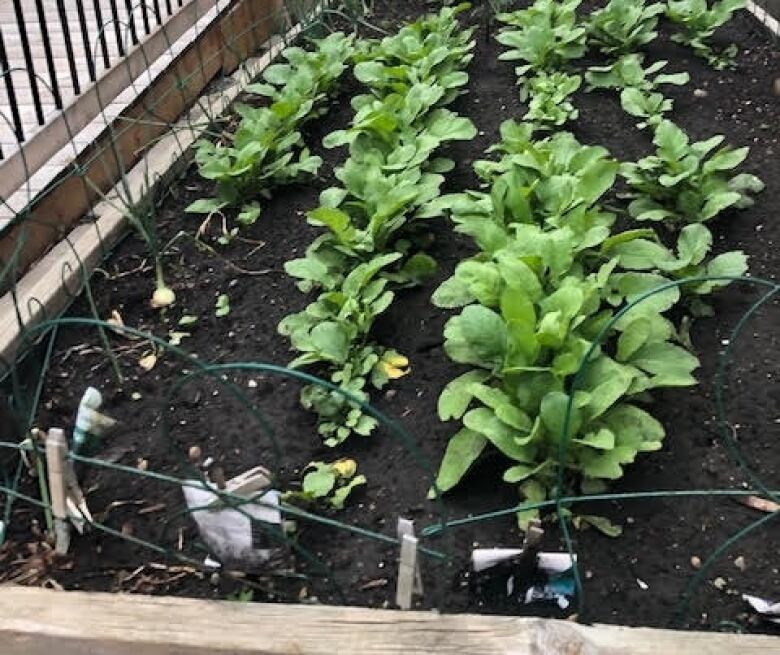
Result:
pixel 92 36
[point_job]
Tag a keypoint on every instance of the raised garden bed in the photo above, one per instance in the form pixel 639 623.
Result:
pixel 660 536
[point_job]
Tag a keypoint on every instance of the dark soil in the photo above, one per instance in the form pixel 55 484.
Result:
pixel 660 536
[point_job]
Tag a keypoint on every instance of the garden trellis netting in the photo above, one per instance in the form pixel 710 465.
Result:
pixel 167 323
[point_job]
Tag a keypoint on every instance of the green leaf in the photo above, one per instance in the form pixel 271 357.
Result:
pixel 456 396
pixel 222 306
pixel 477 336
pixel 338 221
pixel 553 411
pixel 694 243
pixel 725 160
pixel 449 127
pixel 602 440
pixel 453 292
pixel 635 335
pixel 503 406
pixel 331 341
pixel 728 264
pixel 205 206
pixel 635 429
pixel 600 523
pixel 462 451
pixel 533 492
pixel 502 436
pixel 341 494
pixel 249 214
pixel 308 268
pixel 319 482
pixel 671 365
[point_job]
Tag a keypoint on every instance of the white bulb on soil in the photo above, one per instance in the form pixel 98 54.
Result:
pixel 162 297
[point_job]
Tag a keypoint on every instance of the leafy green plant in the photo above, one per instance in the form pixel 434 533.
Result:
pixel 267 148
pixel 546 36
pixel 628 72
pixel 328 483
pixel 435 49
pixel 687 182
pixel 697 23
pixel 649 106
pixel 549 104
pixel 638 96
pixel 623 26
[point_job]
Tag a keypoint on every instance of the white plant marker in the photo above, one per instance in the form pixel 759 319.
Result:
pixel 56 451
pixel 409 577
pixel 89 421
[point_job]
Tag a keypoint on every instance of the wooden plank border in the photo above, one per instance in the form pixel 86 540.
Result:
pixel 48 288
pixel 41 622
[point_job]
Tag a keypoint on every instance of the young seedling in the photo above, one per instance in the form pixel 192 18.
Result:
pixel 697 23
pixel 222 307
pixel 624 26
pixel 328 483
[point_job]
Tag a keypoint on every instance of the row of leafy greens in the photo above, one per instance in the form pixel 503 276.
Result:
pixel 548 36
pixel 376 220
pixel 558 375
pixel 267 149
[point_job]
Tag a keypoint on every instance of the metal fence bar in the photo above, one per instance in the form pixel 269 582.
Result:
pixel 120 46
pixel 10 90
pixel 101 33
pixel 157 12
pixel 54 84
pixel 28 60
pixel 131 21
pixel 74 74
pixel 145 18
pixel 85 39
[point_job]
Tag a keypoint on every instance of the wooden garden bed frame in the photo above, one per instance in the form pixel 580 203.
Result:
pixel 42 622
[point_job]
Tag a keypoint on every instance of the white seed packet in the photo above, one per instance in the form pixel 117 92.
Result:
pixel 234 538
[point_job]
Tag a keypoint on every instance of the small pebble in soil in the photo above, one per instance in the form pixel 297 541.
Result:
pixel 739 562
pixel 195 453
pixel 142 464
pixel 700 93
pixel 719 583
pixel 696 561
pixel 252 384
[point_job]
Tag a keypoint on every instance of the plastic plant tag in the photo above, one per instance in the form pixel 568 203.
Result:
pixel 90 424
pixel 768 610
pixel 244 538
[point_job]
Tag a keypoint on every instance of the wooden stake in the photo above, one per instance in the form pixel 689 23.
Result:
pixel 56 452
pixel 409 576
